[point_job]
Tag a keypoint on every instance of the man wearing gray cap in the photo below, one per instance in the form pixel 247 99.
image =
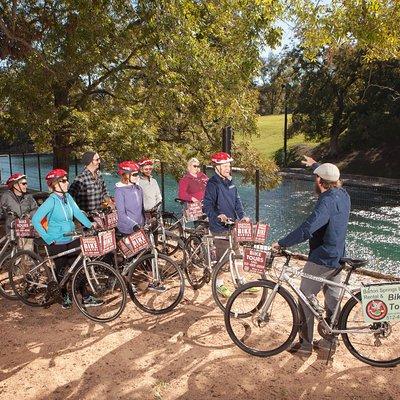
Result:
pixel 326 230
pixel 88 188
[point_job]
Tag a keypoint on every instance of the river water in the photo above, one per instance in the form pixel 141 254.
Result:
pixel 374 221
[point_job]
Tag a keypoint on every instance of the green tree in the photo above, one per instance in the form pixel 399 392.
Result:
pixel 159 78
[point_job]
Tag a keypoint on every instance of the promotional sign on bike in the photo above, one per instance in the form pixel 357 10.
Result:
pixel 243 231
pixel 381 302
pixel 254 260
pixel 260 233
pixel 95 246
pixel 24 228
pixel 134 243
pixel 194 211
pixel 111 220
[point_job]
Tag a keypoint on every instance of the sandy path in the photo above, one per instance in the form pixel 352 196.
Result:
pixel 58 354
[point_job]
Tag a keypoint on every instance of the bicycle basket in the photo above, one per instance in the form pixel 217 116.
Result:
pixel 111 220
pixel 194 211
pixel 24 228
pixel 96 246
pixel 255 259
pixel 134 243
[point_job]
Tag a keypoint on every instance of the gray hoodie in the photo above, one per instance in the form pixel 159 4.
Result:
pixel 20 205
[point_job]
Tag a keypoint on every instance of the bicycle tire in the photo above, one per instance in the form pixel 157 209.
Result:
pixel 107 284
pixel 196 270
pixel 240 329
pixel 351 315
pixel 6 290
pixel 171 245
pixel 222 272
pixel 24 290
pixel 144 294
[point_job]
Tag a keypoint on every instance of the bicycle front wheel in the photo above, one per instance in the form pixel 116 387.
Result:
pixel 225 280
pixel 29 278
pixel 256 328
pixel 5 285
pixel 155 284
pixel 376 344
pixel 99 291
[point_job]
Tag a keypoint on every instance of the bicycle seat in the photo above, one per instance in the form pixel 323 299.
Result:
pixel 354 262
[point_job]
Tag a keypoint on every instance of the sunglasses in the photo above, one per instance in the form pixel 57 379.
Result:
pixel 63 180
pixel 196 166
pixel 23 183
pixel 135 174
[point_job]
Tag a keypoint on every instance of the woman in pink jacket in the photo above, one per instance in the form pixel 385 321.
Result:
pixel 193 184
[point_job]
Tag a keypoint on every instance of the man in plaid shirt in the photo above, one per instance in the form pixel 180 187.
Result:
pixel 88 188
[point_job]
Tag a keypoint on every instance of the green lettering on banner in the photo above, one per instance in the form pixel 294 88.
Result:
pixel 381 302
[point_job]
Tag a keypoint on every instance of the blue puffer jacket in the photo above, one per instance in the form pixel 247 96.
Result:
pixel 221 197
pixel 60 213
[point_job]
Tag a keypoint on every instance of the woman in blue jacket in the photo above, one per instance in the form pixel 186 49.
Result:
pixel 58 212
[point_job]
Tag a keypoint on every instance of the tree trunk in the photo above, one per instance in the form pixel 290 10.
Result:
pixel 62 136
pixel 336 127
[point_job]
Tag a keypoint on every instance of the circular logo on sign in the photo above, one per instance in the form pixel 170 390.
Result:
pixel 376 309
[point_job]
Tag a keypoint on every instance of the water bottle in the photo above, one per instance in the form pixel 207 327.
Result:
pixel 315 304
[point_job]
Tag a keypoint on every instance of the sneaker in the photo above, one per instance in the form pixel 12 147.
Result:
pixel 90 301
pixel 224 291
pixel 253 289
pixel 300 349
pixel 66 302
pixel 157 287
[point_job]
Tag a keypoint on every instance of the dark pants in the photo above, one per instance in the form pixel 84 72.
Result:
pixel 310 287
pixel 64 262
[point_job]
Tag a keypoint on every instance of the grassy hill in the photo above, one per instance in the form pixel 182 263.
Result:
pixel 270 129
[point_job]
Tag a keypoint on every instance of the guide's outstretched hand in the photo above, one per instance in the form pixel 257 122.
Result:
pixel 308 161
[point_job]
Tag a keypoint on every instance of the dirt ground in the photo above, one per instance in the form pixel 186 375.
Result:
pixel 58 354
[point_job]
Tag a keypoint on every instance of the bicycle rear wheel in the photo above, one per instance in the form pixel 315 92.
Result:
pixel 224 282
pixel 5 285
pixel 258 334
pixel 376 344
pixel 152 294
pixel 99 291
pixel 29 278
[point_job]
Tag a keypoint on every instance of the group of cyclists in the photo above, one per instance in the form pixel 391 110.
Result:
pixel 137 192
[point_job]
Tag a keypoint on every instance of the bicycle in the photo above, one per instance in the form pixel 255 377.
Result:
pixel 8 247
pixel 155 282
pixel 200 268
pixel 34 281
pixel 267 324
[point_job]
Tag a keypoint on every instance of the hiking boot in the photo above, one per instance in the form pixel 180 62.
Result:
pixel 300 349
pixel 66 302
pixel 90 301
pixel 157 287
pixel 224 291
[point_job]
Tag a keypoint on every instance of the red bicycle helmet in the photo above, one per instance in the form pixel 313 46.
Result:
pixel 127 167
pixel 145 161
pixel 14 178
pixel 55 174
pixel 221 158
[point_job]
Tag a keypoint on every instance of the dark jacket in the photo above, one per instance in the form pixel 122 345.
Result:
pixel 221 197
pixel 20 205
pixel 325 228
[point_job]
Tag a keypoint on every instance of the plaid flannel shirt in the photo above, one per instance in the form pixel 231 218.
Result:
pixel 88 191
